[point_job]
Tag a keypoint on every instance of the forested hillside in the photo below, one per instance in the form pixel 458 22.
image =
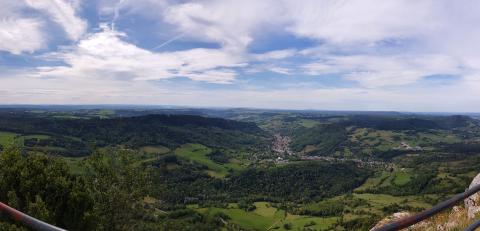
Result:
pixel 76 136
pixel 251 170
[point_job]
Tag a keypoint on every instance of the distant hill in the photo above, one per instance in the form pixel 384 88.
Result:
pixel 410 122
pixel 134 132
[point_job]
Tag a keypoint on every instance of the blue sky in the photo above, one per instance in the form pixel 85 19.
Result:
pixel 398 55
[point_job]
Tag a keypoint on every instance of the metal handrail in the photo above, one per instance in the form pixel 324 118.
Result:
pixel 396 225
pixel 411 220
pixel 473 226
pixel 27 220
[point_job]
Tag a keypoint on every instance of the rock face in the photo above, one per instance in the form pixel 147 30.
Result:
pixel 390 218
pixel 448 222
pixel 472 204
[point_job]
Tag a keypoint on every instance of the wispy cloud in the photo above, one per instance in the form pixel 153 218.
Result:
pixel 105 54
pixel 20 32
pixel 63 12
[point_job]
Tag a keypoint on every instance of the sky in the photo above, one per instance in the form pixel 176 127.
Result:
pixel 395 55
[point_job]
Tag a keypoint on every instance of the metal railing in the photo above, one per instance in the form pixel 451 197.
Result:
pixel 39 225
pixel 411 220
pixel 27 220
pixel 473 226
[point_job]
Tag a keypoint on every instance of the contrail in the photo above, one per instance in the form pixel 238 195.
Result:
pixel 168 41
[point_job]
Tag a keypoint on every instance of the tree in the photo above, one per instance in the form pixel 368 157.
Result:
pixel 118 185
pixel 42 187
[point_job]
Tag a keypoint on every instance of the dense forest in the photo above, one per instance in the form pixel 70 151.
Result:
pixel 316 181
pixel 77 136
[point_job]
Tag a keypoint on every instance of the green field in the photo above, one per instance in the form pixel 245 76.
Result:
pixel 381 200
pixel 366 204
pixel 402 177
pixel 155 149
pixel 385 178
pixel 37 136
pixel 7 138
pixel 308 123
pixel 381 140
pixel 198 153
pixel 75 164
pixel 265 217
pixel 374 181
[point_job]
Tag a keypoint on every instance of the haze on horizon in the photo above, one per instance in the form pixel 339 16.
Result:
pixel 397 55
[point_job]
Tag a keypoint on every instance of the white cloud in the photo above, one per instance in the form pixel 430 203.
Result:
pixel 20 32
pixel 233 24
pixel 21 35
pixel 277 54
pixel 377 71
pixel 105 55
pixel 360 20
pixel 62 12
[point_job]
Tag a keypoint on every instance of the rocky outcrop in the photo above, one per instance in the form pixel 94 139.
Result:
pixel 472 204
pixel 400 215
pixel 444 222
pixel 390 218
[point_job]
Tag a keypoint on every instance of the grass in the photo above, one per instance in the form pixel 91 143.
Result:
pixel 249 220
pixel 67 117
pixel 105 113
pixel 38 137
pixel 74 163
pixel 308 123
pixel 48 149
pixel 320 223
pixel 374 181
pixel 388 140
pixel 7 138
pixel 385 178
pixel 264 209
pixel 155 149
pixel 269 218
pixel 382 200
pixel 402 177
pixel 198 153
pixel 21 139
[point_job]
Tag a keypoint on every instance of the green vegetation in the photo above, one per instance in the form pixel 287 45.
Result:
pixel 318 180
pixel 155 149
pixel 7 138
pixel 75 164
pixel 326 139
pixel 266 217
pixel 199 154
pixel 162 169
pixel 46 190
pixel 402 177
pixel 136 132
pixel 308 123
